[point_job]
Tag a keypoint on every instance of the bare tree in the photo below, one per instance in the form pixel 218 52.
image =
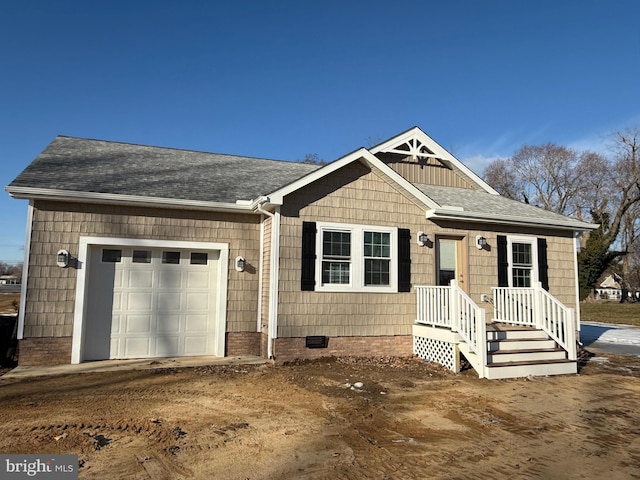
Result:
pixel 548 176
pixel 585 185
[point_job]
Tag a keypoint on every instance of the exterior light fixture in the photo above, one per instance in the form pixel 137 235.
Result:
pixel 423 239
pixel 481 242
pixel 240 263
pixel 62 258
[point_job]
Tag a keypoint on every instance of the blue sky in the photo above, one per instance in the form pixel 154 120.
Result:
pixel 281 79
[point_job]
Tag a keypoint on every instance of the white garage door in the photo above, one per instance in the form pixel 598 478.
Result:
pixel 145 302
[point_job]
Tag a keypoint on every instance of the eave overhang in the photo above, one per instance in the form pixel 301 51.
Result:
pixel 463 216
pixel 30 193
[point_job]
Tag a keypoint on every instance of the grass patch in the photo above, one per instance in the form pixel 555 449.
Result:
pixel 625 313
pixel 9 302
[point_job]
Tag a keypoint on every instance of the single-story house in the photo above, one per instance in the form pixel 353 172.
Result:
pixel 136 251
pixel 610 288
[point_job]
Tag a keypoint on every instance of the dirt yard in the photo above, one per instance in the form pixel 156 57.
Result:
pixel 408 420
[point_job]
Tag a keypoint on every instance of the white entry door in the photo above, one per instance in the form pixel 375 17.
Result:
pixel 146 302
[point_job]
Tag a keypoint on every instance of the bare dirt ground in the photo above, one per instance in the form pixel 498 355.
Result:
pixel 409 420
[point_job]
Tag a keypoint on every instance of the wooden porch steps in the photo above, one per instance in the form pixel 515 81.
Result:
pixel 519 351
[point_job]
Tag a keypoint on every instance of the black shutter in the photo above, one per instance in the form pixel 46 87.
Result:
pixel 503 262
pixel 404 260
pixel 308 270
pixel 543 266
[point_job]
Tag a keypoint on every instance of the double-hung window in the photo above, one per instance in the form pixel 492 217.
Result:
pixel 522 265
pixel 356 258
pixel 336 257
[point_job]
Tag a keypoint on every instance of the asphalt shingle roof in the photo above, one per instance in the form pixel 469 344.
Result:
pixel 84 165
pixel 483 204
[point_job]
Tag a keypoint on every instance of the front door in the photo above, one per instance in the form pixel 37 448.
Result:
pixel 451 262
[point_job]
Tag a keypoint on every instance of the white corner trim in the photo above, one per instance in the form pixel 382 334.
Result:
pixel 577 283
pixel 25 272
pixel 82 283
pixel 275 276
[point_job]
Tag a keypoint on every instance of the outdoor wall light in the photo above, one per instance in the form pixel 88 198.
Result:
pixel 62 258
pixel 481 242
pixel 240 263
pixel 423 239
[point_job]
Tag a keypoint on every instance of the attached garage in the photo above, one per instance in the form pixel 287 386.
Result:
pixel 146 299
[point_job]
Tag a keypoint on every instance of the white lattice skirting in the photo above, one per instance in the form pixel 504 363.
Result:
pixel 438 351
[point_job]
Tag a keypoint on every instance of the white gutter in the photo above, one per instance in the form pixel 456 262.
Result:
pixel 272 327
pixel 112 198
pixel 25 272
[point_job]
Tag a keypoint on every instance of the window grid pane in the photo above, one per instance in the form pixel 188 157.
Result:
pixel 377 244
pixel 376 272
pixel 521 277
pixel 336 245
pixel 522 254
pixel 336 273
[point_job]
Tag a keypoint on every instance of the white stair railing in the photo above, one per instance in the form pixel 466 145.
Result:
pixel 434 306
pixel 468 320
pixel 535 307
pixel 452 308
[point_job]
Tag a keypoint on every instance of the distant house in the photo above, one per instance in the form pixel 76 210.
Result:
pixel 141 252
pixel 9 280
pixel 610 288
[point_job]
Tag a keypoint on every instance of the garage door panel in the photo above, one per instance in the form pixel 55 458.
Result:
pixel 116 323
pixel 197 302
pixel 168 323
pixel 138 324
pixel 141 279
pixel 118 278
pixel 167 346
pixel 168 301
pixel 198 279
pixel 198 345
pixel 196 323
pixel 117 301
pixel 137 347
pixel 171 277
pixel 139 301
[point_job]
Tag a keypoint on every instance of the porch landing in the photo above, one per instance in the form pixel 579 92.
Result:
pixel 512 351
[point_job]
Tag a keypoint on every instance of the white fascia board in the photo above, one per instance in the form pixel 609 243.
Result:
pixel 118 199
pixel 277 197
pixel 440 152
pixel 573 225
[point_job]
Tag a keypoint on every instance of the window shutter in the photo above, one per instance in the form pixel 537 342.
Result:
pixel 308 270
pixel 404 260
pixel 543 265
pixel 503 262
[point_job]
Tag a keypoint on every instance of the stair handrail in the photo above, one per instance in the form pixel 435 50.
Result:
pixel 535 307
pixel 557 320
pixel 468 319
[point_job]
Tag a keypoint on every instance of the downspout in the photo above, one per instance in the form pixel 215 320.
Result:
pixel 272 328
pixel 577 280
pixel 25 272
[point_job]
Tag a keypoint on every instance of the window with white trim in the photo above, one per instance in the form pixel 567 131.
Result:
pixel 356 258
pixel 522 261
